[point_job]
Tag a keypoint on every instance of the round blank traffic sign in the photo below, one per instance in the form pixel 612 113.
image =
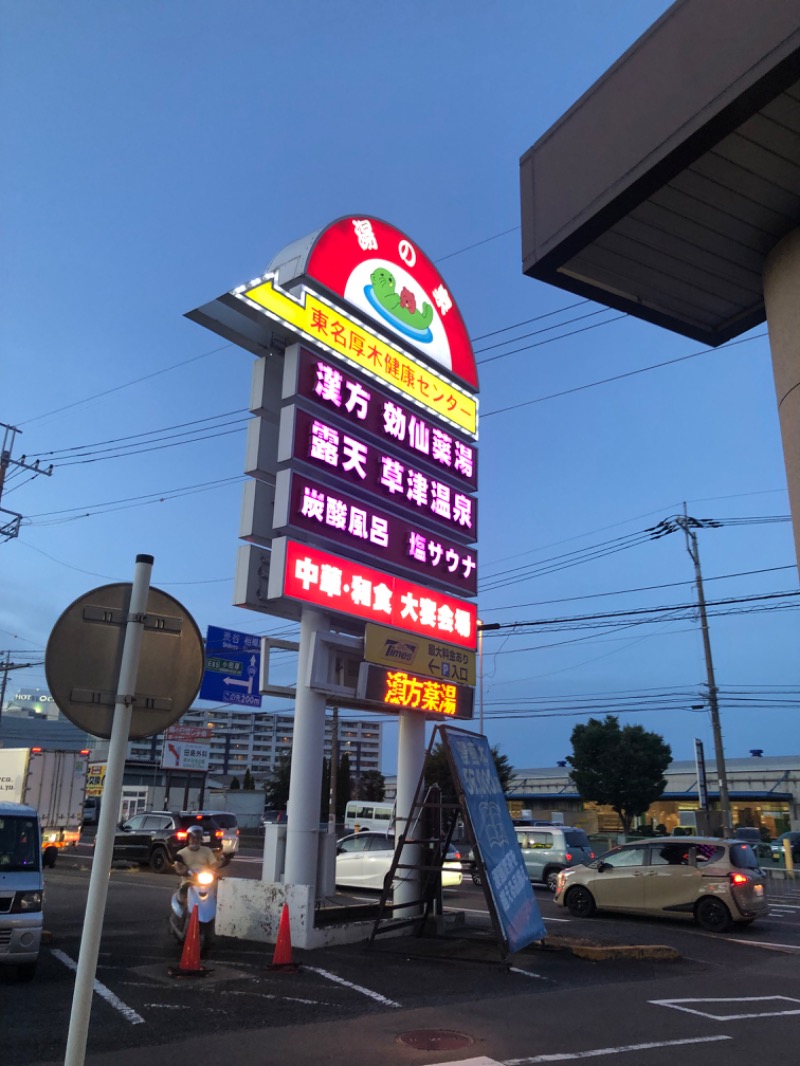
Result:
pixel 84 654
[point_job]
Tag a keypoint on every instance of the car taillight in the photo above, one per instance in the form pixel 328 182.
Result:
pixel 568 856
pixel 591 854
pixel 181 834
pixel 456 855
pixel 738 879
pixel 219 834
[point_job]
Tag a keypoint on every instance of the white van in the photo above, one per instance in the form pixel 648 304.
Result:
pixel 366 814
pixel 21 888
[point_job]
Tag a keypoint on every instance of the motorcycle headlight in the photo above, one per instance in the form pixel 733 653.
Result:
pixel 27 902
pixel 205 877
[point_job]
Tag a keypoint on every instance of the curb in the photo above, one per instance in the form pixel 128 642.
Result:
pixel 596 952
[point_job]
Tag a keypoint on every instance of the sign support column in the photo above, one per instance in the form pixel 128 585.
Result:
pixel 410 760
pixel 305 786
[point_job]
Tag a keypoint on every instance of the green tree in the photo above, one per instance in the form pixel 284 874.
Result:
pixel 373 785
pixel 249 782
pixel 276 789
pixel 235 784
pixel 620 768
pixel 437 771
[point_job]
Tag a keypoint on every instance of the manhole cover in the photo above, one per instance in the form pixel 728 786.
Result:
pixel 435 1039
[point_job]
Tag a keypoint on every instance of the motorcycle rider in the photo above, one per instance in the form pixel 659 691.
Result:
pixel 194 856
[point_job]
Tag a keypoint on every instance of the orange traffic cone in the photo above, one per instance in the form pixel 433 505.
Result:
pixel 282 958
pixel 190 965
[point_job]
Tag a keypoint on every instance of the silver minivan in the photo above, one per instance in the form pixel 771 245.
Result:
pixel 548 849
pixel 21 888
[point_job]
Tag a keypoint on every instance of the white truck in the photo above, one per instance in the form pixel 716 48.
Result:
pixel 54 783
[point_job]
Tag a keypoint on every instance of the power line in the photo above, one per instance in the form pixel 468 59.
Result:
pixel 126 385
pixel 550 340
pixel 637 612
pixel 477 244
pixel 528 321
pixel 616 377
pixel 133 501
pixel 195 423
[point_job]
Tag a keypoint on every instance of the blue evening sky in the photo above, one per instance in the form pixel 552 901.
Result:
pixel 157 154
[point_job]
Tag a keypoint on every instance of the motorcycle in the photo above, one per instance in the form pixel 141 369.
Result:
pixel 201 892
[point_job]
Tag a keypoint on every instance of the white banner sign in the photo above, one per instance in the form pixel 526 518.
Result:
pixel 180 756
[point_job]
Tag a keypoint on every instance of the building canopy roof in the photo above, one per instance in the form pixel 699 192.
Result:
pixel 664 188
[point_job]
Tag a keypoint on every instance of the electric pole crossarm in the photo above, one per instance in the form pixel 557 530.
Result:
pixel 10 528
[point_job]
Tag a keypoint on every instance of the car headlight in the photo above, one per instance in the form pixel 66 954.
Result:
pixel 27 902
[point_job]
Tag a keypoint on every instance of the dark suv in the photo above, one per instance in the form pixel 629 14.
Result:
pixel 156 837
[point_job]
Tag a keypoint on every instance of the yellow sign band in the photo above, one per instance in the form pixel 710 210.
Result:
pixel 330 328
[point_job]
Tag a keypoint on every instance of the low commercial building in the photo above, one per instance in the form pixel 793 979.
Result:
pixel 763 791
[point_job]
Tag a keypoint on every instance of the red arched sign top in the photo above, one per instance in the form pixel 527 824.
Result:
pixel 388 278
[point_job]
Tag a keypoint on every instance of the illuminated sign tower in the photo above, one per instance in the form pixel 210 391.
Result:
pixel 362 510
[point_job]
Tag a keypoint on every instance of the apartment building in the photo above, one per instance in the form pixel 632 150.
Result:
pixel 240 740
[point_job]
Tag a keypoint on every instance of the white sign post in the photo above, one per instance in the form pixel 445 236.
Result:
pixel 104 845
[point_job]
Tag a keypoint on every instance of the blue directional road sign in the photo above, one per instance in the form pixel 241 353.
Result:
pixel 232 667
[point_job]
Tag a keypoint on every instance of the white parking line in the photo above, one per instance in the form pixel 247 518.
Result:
pixel 571 1056
pixel 768 945
pixel 527 973
pixel 128 1013
pixel 716 1012
pixel 485 914
pixel 349 984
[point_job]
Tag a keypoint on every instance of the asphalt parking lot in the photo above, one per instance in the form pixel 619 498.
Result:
pixel 456 983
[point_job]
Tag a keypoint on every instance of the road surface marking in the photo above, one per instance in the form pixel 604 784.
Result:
pixel 769 945
pixel 482 1061
pixel 485 914
pixel 717 1016
pixel 127 1012
pixel 527 973
pixel 570 1056
pixel 348 984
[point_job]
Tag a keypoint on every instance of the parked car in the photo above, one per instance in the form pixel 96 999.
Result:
pixel 270 817
pixel 363 860
pixel 549 849
pixel 155 837
pixel 227 822
pixel 91 810
pixel 713 881
pixel 777 846
pixel 21 889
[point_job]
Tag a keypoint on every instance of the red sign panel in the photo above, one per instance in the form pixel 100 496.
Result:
pixel 378 270
pixel 338 584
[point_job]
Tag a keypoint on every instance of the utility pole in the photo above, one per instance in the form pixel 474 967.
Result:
pixel 10 526
pixel 689 525
pixel 5 669
pixel 481 628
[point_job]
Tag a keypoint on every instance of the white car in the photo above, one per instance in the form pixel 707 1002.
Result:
pixel 363 861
